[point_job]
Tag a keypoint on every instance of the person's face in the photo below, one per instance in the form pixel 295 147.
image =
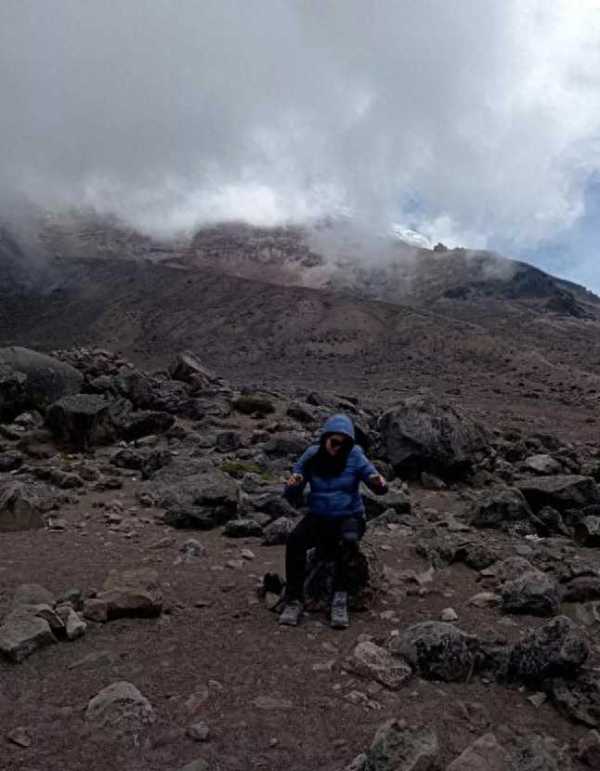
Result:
pixel 334 444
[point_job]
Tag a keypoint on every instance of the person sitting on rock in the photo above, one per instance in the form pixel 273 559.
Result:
pixel 334 469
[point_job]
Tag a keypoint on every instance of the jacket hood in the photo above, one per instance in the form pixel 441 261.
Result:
pixel 339 424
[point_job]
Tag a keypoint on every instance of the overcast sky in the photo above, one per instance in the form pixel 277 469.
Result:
pixel 476 122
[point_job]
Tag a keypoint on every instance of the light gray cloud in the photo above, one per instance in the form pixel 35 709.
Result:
pixel 466 120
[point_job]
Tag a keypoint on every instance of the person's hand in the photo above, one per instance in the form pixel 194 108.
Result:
pixel 295 480
pixel 376 480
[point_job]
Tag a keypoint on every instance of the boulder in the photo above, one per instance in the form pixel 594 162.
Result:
pixel 81 420
pixel 542 464
pixel 188 368
pixel 556 649
pixel 500 508
pixel 537 752
pixel 19 508
pixel 32 380
pixel 120 706
pixel 561 491
pixel 22 633
pixel 420 434
pixel 582 589
pixel 376 663
pixel 129 593
pixel 437 650
pixel 578 699
pixel 375 505
pixel 588 749
pixel 135 425
pixel 277 532
pixel 129 459
pixel 228 441
pixel 396 747
pixel 534 593
pixel 301 412
pixel 511 568
pixel 484 753
pixel 202 501
pixel 285 445
pixel 587 531
pixel 253 404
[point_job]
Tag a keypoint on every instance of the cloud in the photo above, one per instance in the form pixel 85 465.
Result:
pixel 472 122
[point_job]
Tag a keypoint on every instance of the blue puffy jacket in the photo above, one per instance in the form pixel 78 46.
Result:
pixel 336 496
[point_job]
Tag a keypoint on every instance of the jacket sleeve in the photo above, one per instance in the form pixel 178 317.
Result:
pixel 298 467
pixel 365 471
pixel 293 493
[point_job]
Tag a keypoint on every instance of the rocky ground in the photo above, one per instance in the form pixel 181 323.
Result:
pixel 140 512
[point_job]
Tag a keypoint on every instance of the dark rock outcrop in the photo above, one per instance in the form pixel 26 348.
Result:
pixel 421 435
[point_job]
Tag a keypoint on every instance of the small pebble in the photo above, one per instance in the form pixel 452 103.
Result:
pixel 449 614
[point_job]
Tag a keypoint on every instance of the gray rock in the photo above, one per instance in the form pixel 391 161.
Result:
pixel 511 568
pixel 130 459
pixel 19 508
pixel 22 633
pixel 538 753
pixel 431 482
pixel 228 441
pixel 534 592
pixel 254 404
pixel 189 369
pixel 422 435
pixel 437 650
pixel 588 614
pixel 549 520
pixel 135 425
pixel 199 732
pixel 376 505
pixel 192 548
pixel 75 626
pixel 373 662
pixel 242 528
pixel 128 593
pixel 485 753
pixel 561 491
pixel 301 412
pixel 578 699
pixel 555 649
pixel 396 747
pixel 278 531
pixel 81 420
pixel 32 380
pixel 587 532
pixel 19 736
pixel 285 445
pixel 500 508
pixel 120 706
pixel 202 501
pixel 582 589
pixel 588 749
pixel 542 464
pixel 32 594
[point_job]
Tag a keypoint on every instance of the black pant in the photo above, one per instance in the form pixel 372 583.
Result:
pixel 335 538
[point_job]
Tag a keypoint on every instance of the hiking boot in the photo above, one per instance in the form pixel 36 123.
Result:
pixel 290 615
pixel 339 611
